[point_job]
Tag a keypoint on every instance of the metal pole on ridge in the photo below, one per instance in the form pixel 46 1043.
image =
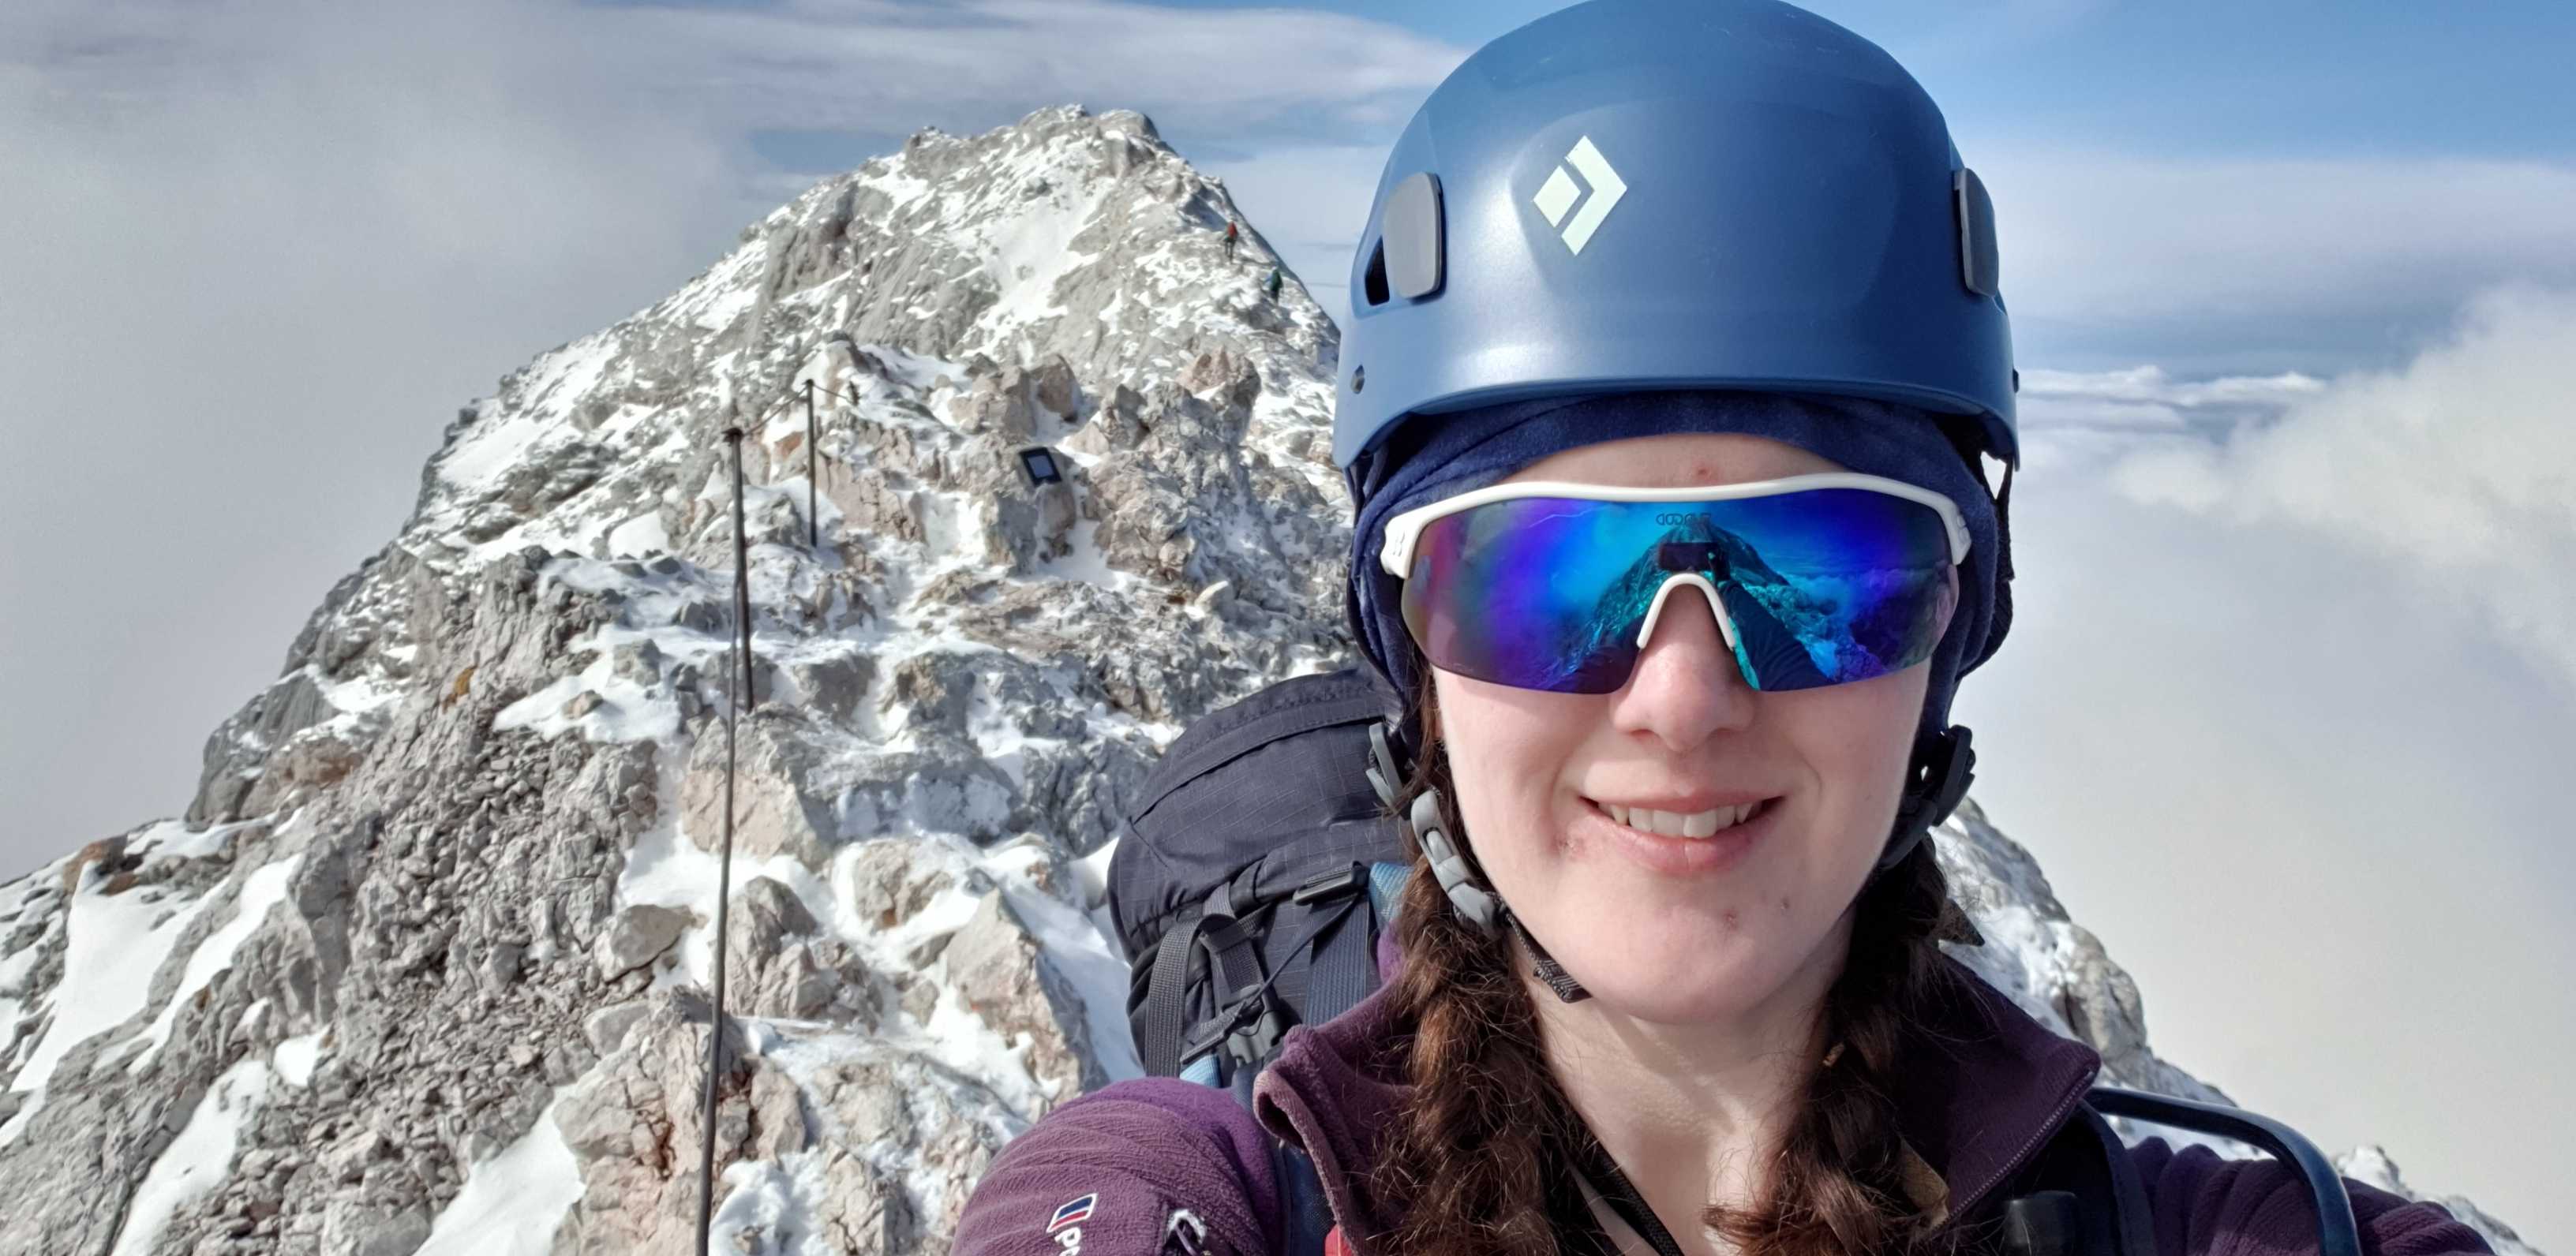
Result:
pixel 812 533
pixel 724 862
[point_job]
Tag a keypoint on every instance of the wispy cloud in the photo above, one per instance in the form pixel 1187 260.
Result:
pixel 2058 406
pixel 2312 677
pixel 2461 466
pixel 2270 249
pixel 892 67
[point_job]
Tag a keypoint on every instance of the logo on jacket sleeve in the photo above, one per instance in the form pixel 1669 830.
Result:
pixel 1184 1234
pixel 1073 1213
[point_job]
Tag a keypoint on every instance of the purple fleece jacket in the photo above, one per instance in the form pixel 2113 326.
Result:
pixel 1133 1160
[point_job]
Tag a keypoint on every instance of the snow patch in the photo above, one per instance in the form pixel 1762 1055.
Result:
pixel 196 1159
pixel 14 968
pixel 668 870
pixel 640 537
pixel 260 891
pixel 356 695
pixel 295 1058
pixel 1032 252
pixel 512 1203
pixel 471 464
pixel 764 1207
pixel 173 839
pixel 116 943
pixel 626 711
pixel 1083 560
pixel 1087 958
pixel 720 312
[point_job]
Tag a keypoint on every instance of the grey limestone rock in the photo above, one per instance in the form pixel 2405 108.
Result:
pixel 1002 975
pixel 638 936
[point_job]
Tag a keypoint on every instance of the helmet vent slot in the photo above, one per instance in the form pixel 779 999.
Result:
pixel 1375 281
pixel 1978 265
pixel 1408 233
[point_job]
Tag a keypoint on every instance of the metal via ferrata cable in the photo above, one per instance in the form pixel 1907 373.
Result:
pixel 740 666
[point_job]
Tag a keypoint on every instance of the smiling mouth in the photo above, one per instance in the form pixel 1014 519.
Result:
pixel 1688 826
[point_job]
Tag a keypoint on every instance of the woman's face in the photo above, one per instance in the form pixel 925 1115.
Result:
pixel 1683 931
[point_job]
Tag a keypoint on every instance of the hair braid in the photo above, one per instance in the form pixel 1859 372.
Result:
pixel 1488 1133
pixel 1839 1189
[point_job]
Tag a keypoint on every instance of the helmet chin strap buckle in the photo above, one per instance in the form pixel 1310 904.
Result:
pixel 1479 907
pixel 1476 905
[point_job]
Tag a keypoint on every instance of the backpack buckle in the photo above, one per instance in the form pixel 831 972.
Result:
pixel 1238 1034
pixel 1382 774
pixel 1332 883
pixel 1250 1044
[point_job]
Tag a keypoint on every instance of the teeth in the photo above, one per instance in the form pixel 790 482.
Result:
pixel 1674 824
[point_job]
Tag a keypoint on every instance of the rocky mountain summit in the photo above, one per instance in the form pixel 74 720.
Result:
pixel 423 965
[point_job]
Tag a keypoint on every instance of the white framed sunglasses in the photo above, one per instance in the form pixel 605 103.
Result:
pixel 1819 579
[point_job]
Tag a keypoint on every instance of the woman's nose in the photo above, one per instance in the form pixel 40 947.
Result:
pixel 1688 685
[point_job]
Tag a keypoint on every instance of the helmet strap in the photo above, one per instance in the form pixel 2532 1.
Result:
pixel 1544 966
pixel 1480 909
pixel 1935 783
pixel 1475 905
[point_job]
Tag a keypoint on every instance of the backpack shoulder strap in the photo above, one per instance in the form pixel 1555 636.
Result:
pixel 2080 1196
pixel 2338 1233
pixel 1306 1216
pixel 2130 1225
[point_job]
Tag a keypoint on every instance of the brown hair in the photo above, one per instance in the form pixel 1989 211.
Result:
pixel 1479 1160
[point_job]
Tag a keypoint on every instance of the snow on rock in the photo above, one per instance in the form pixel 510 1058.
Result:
pixel 424 964
pixel 196 1160
pixel 260 891
pixel 295 1057
pixel 512 1203
pixel 115 940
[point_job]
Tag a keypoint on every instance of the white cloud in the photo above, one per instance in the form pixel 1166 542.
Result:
pixel 2462 466
pixel 2103 236
pixel 256 256
pixel 2262 719
pixel 2320 825
pixel 882 66
pixel 2060 410
pixel 2151 386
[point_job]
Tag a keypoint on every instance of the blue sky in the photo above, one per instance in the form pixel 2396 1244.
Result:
pixel 2290 696
pixel 2405 103
pixel 2192 77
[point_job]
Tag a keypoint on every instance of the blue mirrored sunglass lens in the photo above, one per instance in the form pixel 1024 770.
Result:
pixel 1823 586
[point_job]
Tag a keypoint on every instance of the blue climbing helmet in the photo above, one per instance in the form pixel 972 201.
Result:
pixel 1675 194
